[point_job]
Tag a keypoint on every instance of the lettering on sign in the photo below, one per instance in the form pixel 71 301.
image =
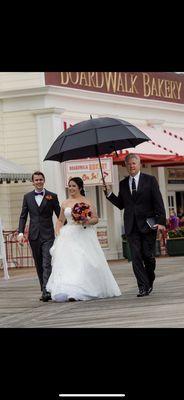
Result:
pixel 165 86
pixel 89 171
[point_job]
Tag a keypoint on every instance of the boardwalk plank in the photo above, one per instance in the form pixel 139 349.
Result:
pixel 20 306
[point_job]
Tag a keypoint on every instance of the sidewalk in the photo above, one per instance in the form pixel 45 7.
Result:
pixel 20 305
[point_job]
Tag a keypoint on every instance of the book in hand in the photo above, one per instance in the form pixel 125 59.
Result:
pixel 151 222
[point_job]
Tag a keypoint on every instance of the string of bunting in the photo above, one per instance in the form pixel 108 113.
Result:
pixel 164 148
pixel 174 135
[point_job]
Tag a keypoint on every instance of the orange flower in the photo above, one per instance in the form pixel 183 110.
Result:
pixel 49 197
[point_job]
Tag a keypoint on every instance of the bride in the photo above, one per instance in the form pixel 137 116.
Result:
pixel 79 268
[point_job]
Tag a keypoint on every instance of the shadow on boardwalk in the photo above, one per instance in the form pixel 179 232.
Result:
pixel 20 306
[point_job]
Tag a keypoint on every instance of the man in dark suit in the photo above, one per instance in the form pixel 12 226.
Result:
pixel 140 197
pixel 40 204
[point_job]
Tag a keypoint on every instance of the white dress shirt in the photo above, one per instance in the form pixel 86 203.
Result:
pixel 136 177
pixel 39 198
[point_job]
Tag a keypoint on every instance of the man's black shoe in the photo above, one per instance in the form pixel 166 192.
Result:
pixel 143 293
pixel 45 297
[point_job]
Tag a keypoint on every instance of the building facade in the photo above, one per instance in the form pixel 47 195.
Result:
pixel 35 107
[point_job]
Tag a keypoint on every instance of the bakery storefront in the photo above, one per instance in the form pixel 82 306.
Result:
pixel 154 102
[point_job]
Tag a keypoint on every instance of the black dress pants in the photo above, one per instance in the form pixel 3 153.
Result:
pixel 142 246
pixel 42 258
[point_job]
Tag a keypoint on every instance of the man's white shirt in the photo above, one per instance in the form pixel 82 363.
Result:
pixel 136 177
pixel 39 198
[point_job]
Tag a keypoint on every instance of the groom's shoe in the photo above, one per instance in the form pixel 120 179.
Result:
pixel 46 296
pixel 143 292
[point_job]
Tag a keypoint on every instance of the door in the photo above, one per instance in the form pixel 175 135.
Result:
pixel 172 201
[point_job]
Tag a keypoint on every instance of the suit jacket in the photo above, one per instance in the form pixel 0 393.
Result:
pixel 148 202
pixel 40 216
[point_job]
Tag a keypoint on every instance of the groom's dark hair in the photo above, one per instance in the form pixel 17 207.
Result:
pixel 37 173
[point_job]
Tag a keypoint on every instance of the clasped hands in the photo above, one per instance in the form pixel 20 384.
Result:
pixel 83 222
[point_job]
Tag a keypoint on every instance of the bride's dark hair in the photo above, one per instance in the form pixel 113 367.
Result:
pixel 79 183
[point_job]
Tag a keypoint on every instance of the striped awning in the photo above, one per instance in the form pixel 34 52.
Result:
pixel 10 171
pixel 166 147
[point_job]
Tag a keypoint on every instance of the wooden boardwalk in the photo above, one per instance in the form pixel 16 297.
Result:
pixel 20 306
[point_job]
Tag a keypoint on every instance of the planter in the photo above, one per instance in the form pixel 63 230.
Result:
pixel 175 247
pixel 157 248
pixel 127 252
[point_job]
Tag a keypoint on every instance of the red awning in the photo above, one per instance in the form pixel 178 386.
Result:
pixel 165 147
pixel 153 159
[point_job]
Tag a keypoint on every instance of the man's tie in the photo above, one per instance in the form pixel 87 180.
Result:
pixel 133 187
pixel 38 193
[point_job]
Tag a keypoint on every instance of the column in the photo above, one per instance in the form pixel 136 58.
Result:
pixel 117 215
pixel 49 127
pixel 162 185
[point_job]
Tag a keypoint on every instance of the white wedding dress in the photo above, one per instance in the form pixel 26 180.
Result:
pixel 79 267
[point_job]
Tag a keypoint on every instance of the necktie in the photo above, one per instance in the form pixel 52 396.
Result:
pixel 133 187
pixel 40 193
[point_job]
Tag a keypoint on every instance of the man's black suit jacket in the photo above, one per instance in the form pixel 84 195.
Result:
pixel 41 223
pixel 148 202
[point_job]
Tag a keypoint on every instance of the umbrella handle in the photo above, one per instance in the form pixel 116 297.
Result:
pixel 103 180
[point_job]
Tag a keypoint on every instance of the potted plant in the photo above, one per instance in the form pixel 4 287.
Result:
pixel 127 251
pixel 126 248
pixel 175 242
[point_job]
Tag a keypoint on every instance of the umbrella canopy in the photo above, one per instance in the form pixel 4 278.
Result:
pixel 94 137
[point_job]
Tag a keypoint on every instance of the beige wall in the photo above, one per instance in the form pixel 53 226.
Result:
pixel 21 80
pixel 20 138
pixel 11 196
pixel 19 143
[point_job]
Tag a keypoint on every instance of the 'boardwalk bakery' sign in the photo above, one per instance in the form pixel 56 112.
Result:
pixel 165 86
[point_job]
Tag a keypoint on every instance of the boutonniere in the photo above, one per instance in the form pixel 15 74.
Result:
pixel 48 197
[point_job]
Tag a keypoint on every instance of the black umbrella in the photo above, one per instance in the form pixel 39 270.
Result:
pixel 95 137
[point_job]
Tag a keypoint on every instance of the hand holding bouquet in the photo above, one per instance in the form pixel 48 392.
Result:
pixel 81 213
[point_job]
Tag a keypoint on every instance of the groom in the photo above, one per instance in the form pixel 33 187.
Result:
pixel 40 205
pixel 140 197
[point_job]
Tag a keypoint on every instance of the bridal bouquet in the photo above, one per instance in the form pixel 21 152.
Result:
pixel 81 212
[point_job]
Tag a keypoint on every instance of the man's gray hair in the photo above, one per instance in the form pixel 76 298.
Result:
pixel 132 155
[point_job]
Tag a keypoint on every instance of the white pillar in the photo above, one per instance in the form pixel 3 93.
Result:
pixel 3 252
pixel 162 185
pixel 49 127
pixel 117 215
